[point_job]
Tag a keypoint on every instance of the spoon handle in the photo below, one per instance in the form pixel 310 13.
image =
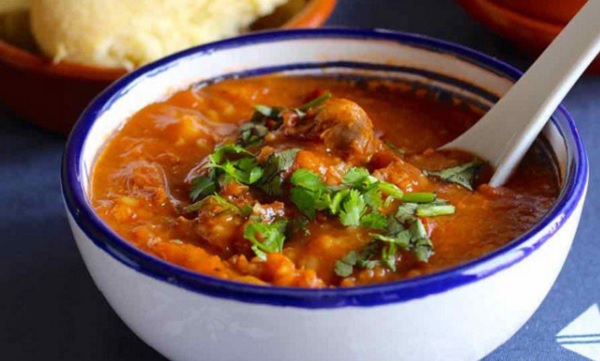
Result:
pixel 506 132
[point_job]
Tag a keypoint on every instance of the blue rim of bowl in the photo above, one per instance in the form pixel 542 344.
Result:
pixel 79 208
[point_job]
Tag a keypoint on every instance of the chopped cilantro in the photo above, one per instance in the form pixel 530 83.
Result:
pixel 266 237
pixel 362 258
pixel 356 176
pixel 244 211
pixel 388 256
pixel 219 153
pixel 406 212
pixel 352 209
pixel 269 112
pixel 252 134
pixel 373 197
pixel 309 193
pixel 374 220
pixel 203 186
pixel 307 179
pixel 343 268
pixel 305 200
pixel 336 202
pixel 275 166
pixel 423 249
pixel 244 170
pixel 464 175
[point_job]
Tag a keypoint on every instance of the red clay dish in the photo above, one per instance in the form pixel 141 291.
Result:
pixel 53 95
pixel 531 25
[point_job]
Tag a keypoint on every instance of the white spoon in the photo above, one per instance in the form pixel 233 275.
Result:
pixel 508 129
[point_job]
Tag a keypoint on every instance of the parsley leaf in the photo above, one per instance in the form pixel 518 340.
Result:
pixel 406 212
pixel 307 179
pixel 275 166
pixel 269 112
pixel 345 266
pixel 423 249
pixel 252 134
pixel 336 202
pixel 356 176
pixel 244 170
pixel 388 256
pixel 352 209
pixel 219 153
pixel 305 200
pixel 266 237
pixel 374 220
pixel 373 197
pixel 464 175
pixel 309 193
pixel 203 186
pixel 228 206
pixel 362 258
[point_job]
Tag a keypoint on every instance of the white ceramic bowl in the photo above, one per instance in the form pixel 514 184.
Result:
pixel 459 314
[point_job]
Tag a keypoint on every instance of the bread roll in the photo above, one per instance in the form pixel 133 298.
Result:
pixel 129 33
pixel 14 23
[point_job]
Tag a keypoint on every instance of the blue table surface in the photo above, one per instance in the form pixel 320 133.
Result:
pixel 51 310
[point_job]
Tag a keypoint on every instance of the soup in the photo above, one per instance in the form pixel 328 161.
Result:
pixel 312 181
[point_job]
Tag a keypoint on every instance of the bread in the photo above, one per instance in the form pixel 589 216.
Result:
pixel 129 33
pixel 14 23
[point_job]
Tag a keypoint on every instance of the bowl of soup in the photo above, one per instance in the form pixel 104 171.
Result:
pixel 280 196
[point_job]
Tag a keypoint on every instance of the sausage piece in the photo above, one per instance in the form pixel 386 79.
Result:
pixel 343 126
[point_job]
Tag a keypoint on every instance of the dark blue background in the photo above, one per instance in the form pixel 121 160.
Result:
pixel 50 309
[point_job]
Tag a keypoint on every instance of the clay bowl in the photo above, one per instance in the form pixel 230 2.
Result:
pixel 52 95
pixel 531 25
pixel 557 11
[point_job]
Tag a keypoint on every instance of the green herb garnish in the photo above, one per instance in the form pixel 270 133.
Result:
pixel 374 220
pixel 434 209
pixel 266 237
pixel 315 102
pixel 309 193
pixel 204 186
pixel 360 195
pixel 394 148
pixel 228 206
pixel 419 197
pixel 362 258
pixel 352 209
pixel 218 155
pixel 267 118
pixel 278 163
pixel 464 175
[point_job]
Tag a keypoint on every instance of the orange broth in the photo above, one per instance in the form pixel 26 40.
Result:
pixel 142 180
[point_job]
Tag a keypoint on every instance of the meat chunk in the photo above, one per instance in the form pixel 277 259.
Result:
pixel 343 126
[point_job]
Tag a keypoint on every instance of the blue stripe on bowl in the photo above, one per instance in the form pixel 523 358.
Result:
pixel 80 209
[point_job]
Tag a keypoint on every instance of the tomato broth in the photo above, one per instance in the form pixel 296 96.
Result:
pixel 311 181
